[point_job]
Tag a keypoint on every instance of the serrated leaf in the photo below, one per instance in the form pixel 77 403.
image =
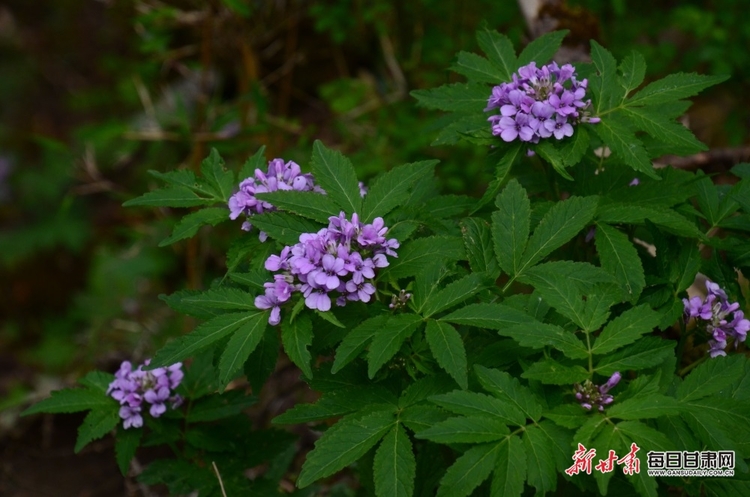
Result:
pixel 255 161
pixel 633 70
pixel 336 403
pixel 344 443
pixel 424 387
pixel 97 381
pixel 551 372
pixel 542 49
pixel 284 227
pixel 559 292
pixel 126 443
pixel 356 341
pixel 620 258
pixel 510 226
pixel 575 147
pixel 510 469
pixel 537 335
pixel 218 298
pixel 652 121
pixel 391 189
pixel 618 213
pixel 551 154
pixel 466 430
pixel 568 416
pixel 605 89
pixel 176 196
pixel 388 341
pixel 674 87
pixel 499 51
pixel 71 400
pixel 421 417
pixel 262 360
pixel 644 436
pixel 395 466
pixel 204 335
pixel 456 97
pixel 618 136
pixel 183 177
pixel 219 406
pixel 466 128
pixel 240 346
pixel 492 316
pixel 296 336
pixel 502 169
pixel 650 406
pixel 626 328
pixel 448 349
pixel 311 205
pixel 189 225
pixel 453 294
pixel 711 377
pixel 561 223
pixel 645 353
pixel 96 424
pixel 478 241
pixel 414 255
pixel 221 180
pixel 477 69
pixel 335 174
pixel 469 470
pixel 476 404
pixel 540 465
pixel 252 279
pixel 508 388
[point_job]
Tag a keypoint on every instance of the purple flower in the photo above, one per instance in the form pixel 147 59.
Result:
pixel 635 182
pixel 718 318
pixel 590 395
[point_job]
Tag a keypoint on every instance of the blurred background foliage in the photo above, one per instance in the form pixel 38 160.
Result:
pixel 93 94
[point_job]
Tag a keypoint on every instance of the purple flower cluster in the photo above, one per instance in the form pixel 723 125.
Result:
pixel 714 313
pixel 590 395
pixel 132 387
pixel 279 176
pixel 538 104
pixel 338 261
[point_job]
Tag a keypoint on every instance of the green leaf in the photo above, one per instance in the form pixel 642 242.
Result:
pixel 456 97
pixel 537 335
pixel 650 406
pixel 551 154
pixel 97 381
pixel 508 388
pixel 492 316
pixel 284 227
pixel 184 177
pixel 204 335
pixel 568 416
pixel 510 226
pixel 335 174
pixel 465 430
pixel 296 338
pixel 540 464
pixel 219 406
pixel 221 180
pixel 395 466
pixel 645 353
pixel 252 279
pixel 311 205
pixel 674 87
pixel 473 128
pixel 356 341
pixel 189 225
pixel 478 241
pixel 71 400
pixel 510 469
pixel 586 276
pixel 605 89
pixel 499 51
pixel 575 147
pixel 633 69
pixel 391 189
pixel 620 213
pixel 645 437
pixel 542 49
pixel 256 161
pixel 126 443
pixel 651 120
pixel 453 294
pixel 618 136
pixel 344 443
pixel 262 360
pixel 336 403
pixel 619 257
pixel 626 328
pixel 330 317
pixel 240 346
pixel 559 292
pixel 502 169
pixel 414 255
pixel 711 377
pixel 477 69
pixel 96 424
pixel 448 349
pixel 176 196
pixel 474 404
pixel 388 341
pixel 218 298
pixel 469 470
pixel 551 372
pixel 561 223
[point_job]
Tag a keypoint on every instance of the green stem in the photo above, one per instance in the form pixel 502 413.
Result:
pixel 690 367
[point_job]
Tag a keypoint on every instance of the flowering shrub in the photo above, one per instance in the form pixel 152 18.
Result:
pixel 477 345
